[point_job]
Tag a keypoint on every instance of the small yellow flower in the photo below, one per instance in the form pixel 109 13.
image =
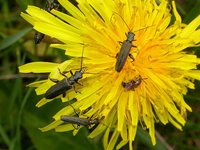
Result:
pixel 160 74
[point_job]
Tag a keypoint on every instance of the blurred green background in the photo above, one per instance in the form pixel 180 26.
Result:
pixel 20 119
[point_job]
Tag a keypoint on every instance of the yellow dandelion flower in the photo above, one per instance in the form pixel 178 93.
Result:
pixel 149 87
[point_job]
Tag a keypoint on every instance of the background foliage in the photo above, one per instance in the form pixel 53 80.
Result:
pixel 20 119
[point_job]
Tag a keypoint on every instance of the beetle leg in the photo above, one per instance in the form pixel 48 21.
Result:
pixel 54 80
pixel 65 72
pixel 76 127
pixel 133 46
pixel 62 73
pixel 79 83
pixel 74 110
pixel 71 72
pixel 116 55
pixel 64 94
pixel 131 56
pixel 76 90
pixel 120 42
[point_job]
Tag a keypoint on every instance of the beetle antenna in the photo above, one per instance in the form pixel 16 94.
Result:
pixel 143 28
pixel 82 58
pixel 122 20
pixel 73 107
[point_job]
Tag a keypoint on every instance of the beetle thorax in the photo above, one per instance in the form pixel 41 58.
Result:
pixel 130 36
pixel 78 75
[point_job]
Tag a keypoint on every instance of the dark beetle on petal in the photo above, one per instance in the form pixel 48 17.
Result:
pixel 125 49
pixel 132 84
pixel 38 37
pixel 79 121
pixel 65 84
pixel 124 52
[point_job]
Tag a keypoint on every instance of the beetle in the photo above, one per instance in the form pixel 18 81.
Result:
pixel 38 37
pixel 125 49
pixel 53 4
pixel 124 52
pixel 79 121
pixel 132 84
pixel 65 84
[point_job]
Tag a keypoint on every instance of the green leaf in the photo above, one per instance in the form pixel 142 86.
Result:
pixel 4 135
pixel 144 138
pixel 54 140
pixel 193 13
pixel 22 4
pixel 13 38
